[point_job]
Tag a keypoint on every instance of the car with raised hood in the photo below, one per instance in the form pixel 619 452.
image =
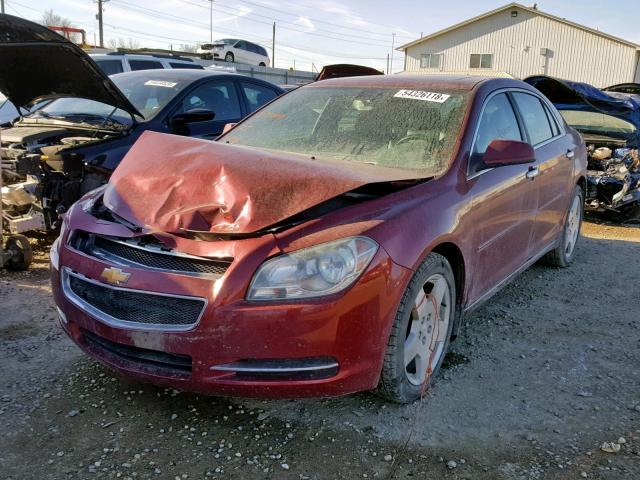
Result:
pixel 609 121
pixel 327 244
pixel 78 123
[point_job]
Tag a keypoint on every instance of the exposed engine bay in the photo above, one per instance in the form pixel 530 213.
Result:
pixel 613 181
pixel 42 172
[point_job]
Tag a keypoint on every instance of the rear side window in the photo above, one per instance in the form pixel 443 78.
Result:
pixel 185 65
pixel 144 64
pixel 110 67
pixel 498 122
pixel 262 51
pixel 534 116
pixel 257 95
pixel 219 97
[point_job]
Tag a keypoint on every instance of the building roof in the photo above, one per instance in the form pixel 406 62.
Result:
pixel 522 7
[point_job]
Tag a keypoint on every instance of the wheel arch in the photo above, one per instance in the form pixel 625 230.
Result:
pixel 582 183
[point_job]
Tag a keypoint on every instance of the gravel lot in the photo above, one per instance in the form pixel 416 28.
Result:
pixel 540 377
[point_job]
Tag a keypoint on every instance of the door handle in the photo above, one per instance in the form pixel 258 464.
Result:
pixel 570 153
pixel 532 173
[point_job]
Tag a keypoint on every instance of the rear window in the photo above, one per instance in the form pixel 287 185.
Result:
pixel 144 64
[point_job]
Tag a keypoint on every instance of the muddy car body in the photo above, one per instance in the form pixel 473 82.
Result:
pixel 325 244
pixel 609 121
pixel 81 123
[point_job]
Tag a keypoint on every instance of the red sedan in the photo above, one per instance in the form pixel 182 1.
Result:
pixel 330 243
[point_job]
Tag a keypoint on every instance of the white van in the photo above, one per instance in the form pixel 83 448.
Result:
pixel 234 50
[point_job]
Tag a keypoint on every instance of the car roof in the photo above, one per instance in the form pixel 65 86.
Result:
pixel 186 74
pixel 141 56
pixel 443 82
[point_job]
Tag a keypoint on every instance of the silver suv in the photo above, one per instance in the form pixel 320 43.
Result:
pixel 116 62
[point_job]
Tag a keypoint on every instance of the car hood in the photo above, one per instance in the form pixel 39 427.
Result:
pixel 38 63
pixel 168 183
pixel 568 95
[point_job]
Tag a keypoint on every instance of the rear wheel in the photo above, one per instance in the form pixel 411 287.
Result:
pixel 262 64
pixel 421 332
pixel 229 57
pixel 563 254
pixel 18 250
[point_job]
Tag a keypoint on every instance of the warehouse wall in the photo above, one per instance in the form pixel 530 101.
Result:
pixel 516 44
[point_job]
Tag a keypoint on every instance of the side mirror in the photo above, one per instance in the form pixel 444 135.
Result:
pixel 508 152
pixel 228 127
pixel 192 116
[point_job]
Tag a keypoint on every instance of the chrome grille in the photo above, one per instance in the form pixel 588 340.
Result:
pixel 132 308
pixel 153 256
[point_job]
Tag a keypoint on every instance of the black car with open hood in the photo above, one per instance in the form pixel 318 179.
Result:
pixel 609 121
pixel 76 124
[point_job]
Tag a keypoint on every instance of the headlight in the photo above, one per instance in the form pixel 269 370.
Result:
pixel 313 272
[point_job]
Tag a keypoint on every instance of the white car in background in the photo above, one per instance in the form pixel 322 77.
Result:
pixel 235 50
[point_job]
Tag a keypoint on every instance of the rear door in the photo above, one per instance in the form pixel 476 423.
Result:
pixel 505 201
pixel 553 182
pixel 241 53
pixel 256 95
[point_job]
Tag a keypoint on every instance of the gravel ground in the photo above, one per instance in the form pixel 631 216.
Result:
pixel 540 377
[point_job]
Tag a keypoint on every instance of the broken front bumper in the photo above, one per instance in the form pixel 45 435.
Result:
pixel 219 343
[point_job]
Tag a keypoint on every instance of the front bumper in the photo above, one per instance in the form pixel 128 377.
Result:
pixel 321 347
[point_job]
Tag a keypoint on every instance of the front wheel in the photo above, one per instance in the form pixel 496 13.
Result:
pixel 229 57
pixel 563 254
pixel 421 332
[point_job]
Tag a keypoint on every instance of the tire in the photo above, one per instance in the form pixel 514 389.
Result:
pixel 229 57
pixel 563 254
pixel 262 64
pixel 405 381
pixel 20 253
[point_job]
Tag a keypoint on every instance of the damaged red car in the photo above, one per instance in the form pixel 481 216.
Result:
pixel 330 243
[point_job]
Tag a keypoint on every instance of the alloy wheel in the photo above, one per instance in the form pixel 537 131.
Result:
pixel 427 330
pixel 573 226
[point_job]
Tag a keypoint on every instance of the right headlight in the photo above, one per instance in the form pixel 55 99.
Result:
pixel 313 272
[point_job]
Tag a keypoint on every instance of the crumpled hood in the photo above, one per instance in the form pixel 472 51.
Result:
pixel 168 183
pixel 38 63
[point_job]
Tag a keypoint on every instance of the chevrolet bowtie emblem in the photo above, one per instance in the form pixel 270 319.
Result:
pixel 114 276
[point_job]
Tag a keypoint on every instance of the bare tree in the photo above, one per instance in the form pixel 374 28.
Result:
pixel 51 19
pixel 130 43
pixel 188 48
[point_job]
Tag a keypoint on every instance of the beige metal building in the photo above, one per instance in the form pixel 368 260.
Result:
pixel 522 41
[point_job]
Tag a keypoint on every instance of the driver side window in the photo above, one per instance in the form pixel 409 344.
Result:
pixel 498 121
pixel 220 97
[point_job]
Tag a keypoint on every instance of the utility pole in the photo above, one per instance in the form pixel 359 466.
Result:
pixel 387 64
pixel 273 47
pixel 1 6
pixel 393 46
pixel 211 21
pixel 99 17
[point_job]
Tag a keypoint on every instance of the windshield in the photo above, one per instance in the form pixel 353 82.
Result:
pixel 148 95
pixel 598 123
pixel 390 127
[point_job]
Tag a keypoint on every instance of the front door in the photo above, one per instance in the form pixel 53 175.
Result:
pixel 504 202
pixel 219 96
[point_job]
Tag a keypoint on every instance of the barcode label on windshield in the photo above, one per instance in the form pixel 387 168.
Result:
pixel 422 95
pixel 160 83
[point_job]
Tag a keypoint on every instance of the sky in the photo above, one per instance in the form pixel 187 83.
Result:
pixel 309 33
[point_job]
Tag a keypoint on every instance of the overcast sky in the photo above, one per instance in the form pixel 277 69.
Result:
pixel 309 31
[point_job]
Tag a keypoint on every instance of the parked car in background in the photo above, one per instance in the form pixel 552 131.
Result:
pixel 609 121
pixel 116 62
pixel 234 50
pixel 327 244
pixel 83 122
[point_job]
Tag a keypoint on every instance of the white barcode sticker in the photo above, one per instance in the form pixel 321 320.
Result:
pixel 160 83
pixel 422 95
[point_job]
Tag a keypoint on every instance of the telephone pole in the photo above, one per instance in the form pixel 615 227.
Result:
pixel 1 6
pixel 211 21
pixel 99 17
pixel 393 46
pixel 273 47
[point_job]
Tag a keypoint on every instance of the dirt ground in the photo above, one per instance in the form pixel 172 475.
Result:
pixel 540 377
